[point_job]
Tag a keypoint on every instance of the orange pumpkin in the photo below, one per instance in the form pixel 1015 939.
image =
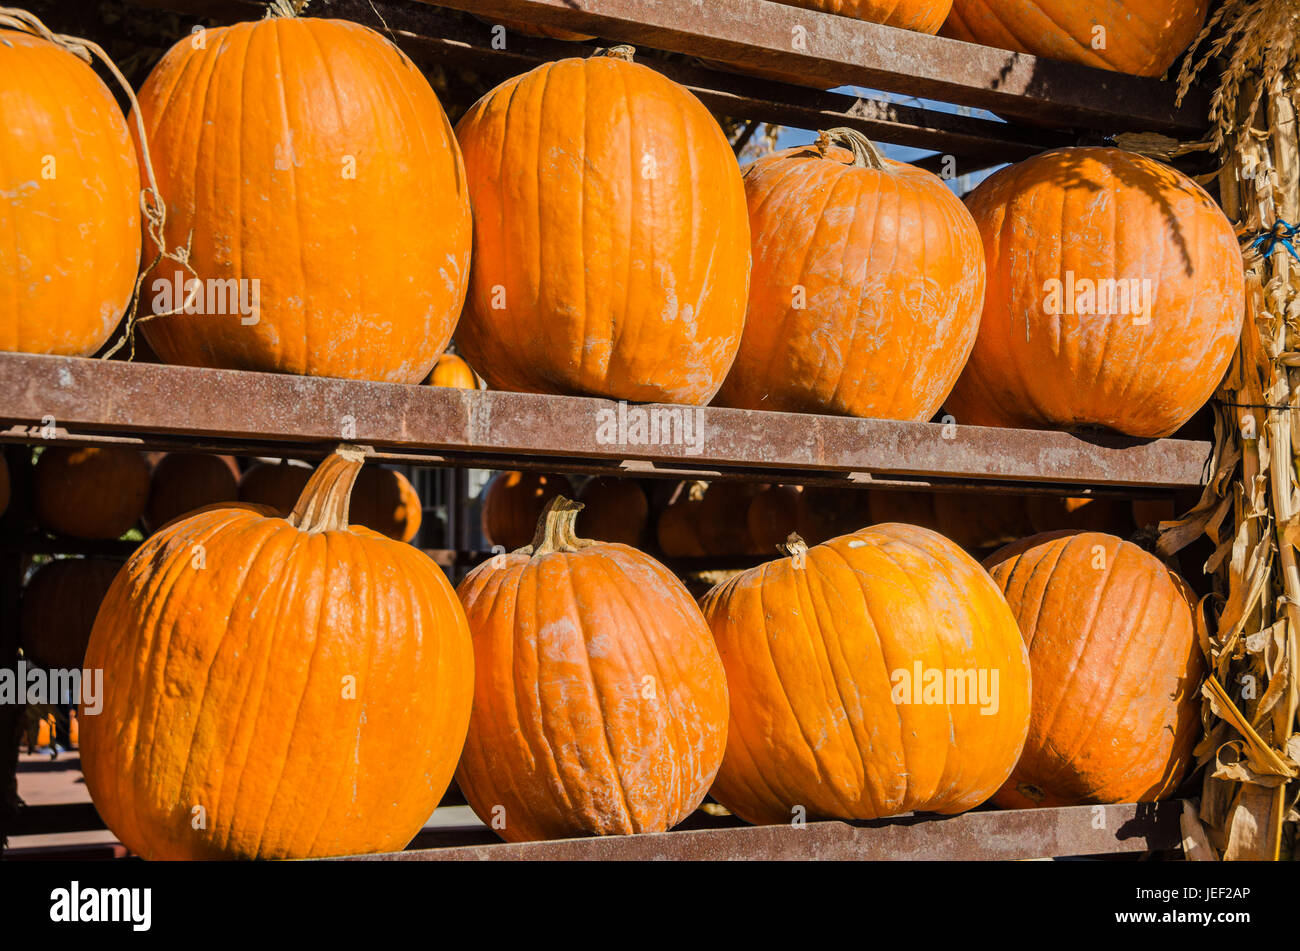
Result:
pixel 866 288
pixel 58 609
pixel 69 202
pixel 185 481
pixel 773 514
pixel 877 674
pixel 600 704
pixel 90 493
pixel 678 526
pixel 1115 296
pixel 452 371
pixel 1116 665
pixel 614 510
pixel 45 727
pixel 300 662
pixel 313 157
pixel 611 244
pixel 514 501
pixel 384 501
pixel 1142 37
pixel 277 485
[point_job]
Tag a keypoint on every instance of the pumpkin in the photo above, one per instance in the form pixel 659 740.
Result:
pixel 58 609
pixel 4 485
pixel 514 501
pixel 1115 296
pixel 185 481
pixel 45 727
pixel 69 202
pixel 1116 665
pixel 452 371
pixel 300 661
pixel 1049 513
pixel 311 156
pixel 614 510
pixel 724 518
pixel 1142 37
pixel 611 243
pixel 384 501
pixel 600 704
pixel 876 674
pixel 90 493
pixel 772 515
pixel 866 289
pixel 678 526
pixel 275 484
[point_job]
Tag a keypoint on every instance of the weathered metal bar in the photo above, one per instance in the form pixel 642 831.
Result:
pixel 993 835
pixel 117 397
pixel 833 51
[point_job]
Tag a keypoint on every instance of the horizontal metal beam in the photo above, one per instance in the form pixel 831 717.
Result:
pixel 840 51
pixel 991 835
pixel 116 397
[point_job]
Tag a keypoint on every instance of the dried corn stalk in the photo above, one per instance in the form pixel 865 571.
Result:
pixel 1251 747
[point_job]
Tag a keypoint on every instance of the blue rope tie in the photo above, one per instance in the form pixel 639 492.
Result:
pixel 1282 233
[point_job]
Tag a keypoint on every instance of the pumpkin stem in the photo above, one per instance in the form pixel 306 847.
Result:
pixel 285 8
pixel 794 546
pixel 865 153
pixel 323 505
pixel 624 51
pixel 695 491
pixel 556 529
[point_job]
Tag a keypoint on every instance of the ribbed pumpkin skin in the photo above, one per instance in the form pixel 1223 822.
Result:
pixel 70 231
pixel 452 371
pixel 90 493
pixel 185 481
pixel 563 734
pixel 1116 666
pixel 224 688
pixel 363 267
pixel 923 16
pixel 1143 37
pixel 385 501
pixel 513 502
pixel 614 510
pixel 809 654
pixel 1100 214
pixel 59 606
pixel 891 269
pixel 610 234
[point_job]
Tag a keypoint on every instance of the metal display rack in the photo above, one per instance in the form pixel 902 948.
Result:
pixel 1046 104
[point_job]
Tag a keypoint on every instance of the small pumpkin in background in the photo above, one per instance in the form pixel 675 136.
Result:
pixel 614 510
pixel 513 502
pixel 826 512
pixel 69 202
pixel 910 507
pixel 385 501
pixel 1115 296
pixel 1116 666
pixel 986 520
pixel 600 703
pixel 90 493
pixel 630 281
pixel 1141 37
pixel 1050 513
pixel 275 484
pixel 58 609
pixel 452 371
pixel 866 289
pixel 773 514
pixel 678 526
pixel 724 518
pixel 830 657
pixel 311 156
pixel 184 481
pixel 312 661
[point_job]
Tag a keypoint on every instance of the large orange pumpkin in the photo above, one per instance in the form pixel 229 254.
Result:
pixel 452 371
pixel 514 501
pixel 59 607
pixel 923 16
pixel 312 156
pixel 600 704
pixel 877 674
pixel 611 249
pixel 1115 296
pixel 1142 37
pixel 90 493
pixel 614 510
pixel 276 689
pixel 69 202
pixel 185 481
pixel 1117 670
pixel 866 289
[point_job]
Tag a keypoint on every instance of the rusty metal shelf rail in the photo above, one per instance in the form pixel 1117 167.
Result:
pixel 65 397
